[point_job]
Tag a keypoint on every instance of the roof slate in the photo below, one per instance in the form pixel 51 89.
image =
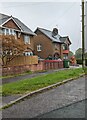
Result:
pixel 49 35
pixel 24 28
pixel 56 38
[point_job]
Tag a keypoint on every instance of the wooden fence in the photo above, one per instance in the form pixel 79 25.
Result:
pixel 23 60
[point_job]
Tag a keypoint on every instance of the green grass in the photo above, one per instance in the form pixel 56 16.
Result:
pixel 85 70
pixel 28 85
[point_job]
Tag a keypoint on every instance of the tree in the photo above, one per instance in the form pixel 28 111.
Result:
pixel 86 55
pixel 78 53
pixel 70 54
pixel 10 48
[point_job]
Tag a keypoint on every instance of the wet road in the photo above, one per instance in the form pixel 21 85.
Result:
pixel 50 100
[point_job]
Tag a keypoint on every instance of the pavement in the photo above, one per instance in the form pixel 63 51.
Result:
pixel 48 101
pixel 27 76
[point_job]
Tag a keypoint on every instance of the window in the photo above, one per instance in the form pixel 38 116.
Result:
pixel 6 31
pixel 28 53
pixel 65 56
pixel 56 47
pixel 9 32
pixel 12 32
pixel 63 47
pixel 26 39
pixel 39 48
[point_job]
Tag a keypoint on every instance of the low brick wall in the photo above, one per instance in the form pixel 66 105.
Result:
pixel 42 65
pixel 52 64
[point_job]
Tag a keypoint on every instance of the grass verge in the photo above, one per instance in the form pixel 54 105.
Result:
pixel 85 70
pixel 29 85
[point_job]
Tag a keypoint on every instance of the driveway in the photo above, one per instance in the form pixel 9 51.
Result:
pixel 48 101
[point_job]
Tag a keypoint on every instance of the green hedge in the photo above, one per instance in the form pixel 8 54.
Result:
pixel 79 61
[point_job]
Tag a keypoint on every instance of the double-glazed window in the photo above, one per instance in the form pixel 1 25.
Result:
pixel 26 39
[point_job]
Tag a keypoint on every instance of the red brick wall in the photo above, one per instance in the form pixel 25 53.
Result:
pixel 42 65
pixel 11 24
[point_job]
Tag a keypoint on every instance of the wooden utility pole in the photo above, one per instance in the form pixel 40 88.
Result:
pixel 83 48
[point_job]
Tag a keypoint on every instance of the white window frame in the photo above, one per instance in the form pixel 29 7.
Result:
pixel 9 31
pixel 39 48
pixel 28 39
pixel 28 53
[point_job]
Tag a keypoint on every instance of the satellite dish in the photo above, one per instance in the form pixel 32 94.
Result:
pixel 54 32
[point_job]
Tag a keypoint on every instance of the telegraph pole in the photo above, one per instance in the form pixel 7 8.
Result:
pixel 83 48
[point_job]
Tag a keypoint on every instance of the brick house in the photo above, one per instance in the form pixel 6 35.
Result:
pixel 50 44
pixel 10 25
pixel 65 46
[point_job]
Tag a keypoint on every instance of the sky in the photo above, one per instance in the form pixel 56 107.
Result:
pixel 65 15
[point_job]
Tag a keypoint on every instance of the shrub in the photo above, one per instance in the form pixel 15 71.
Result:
pixel 79 61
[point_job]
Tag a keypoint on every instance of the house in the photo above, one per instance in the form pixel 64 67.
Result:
pixel 65 46
pixel 10 25
pixel 49 44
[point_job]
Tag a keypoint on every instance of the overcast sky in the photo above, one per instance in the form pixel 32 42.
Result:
pixel 66 16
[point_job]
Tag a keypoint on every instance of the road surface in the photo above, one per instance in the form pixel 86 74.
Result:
pixel 75 110
pixel 50 100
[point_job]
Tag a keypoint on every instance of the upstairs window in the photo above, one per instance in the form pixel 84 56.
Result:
pixel 26 39
pixel 9 32
pixel 39 48
pixel 65 47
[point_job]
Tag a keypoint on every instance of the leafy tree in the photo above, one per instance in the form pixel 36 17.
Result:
pixel 78 53
pixel 70 54
pixel 86 55
pixel 10 48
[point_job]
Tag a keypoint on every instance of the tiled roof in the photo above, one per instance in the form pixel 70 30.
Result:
pixel 49 35
pixel 63 39
pixel 24 28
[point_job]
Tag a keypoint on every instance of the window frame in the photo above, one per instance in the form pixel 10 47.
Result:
pixel 39 46
pixel 27 41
